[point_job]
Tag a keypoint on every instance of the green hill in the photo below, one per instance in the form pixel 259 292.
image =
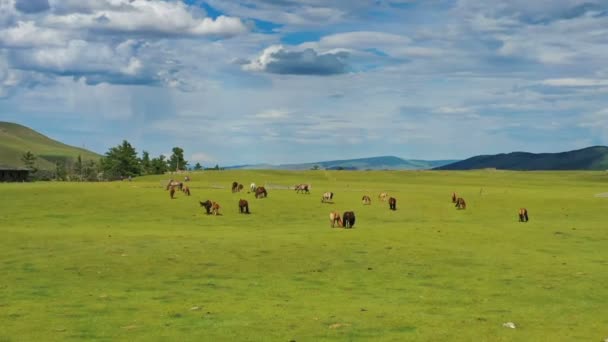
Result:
pixel 590 158
pixel 16 139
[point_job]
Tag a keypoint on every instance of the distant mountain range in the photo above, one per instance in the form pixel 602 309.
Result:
pixel 590 158
pixel 373 163
pixel 15 140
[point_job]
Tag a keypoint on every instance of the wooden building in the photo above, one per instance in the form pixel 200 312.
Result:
pixel 13 174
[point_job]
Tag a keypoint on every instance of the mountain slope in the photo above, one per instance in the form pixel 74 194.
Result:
pixel 16 139
pixel 590 158
pixel 373 163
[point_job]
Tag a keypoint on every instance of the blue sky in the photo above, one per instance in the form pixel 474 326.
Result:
pixel 283 81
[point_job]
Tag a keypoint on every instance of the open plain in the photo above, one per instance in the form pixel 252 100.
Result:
pixel 122 261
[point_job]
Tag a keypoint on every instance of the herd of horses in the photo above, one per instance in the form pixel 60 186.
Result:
pixel 346 220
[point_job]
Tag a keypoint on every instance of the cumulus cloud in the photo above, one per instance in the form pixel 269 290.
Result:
pixel 28 34
pixel 108 41
pixel 150 17
pixel 278 60
pixel 32 6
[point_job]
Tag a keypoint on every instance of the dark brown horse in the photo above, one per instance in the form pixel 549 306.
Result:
pixel 349 219
pixel 235 186
pixel 261 192
pixel 244 206
pixel 460 203
pixel 239 188
pixel 172 192
pixel 523 215
pixel 366 200
pixel 454 197
pixel 392 203
pixel 207 205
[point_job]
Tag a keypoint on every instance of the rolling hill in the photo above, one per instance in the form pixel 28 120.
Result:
pixel 16 139
pixel 590 158
pixel 373 163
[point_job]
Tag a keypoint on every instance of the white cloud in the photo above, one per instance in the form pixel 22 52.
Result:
pixel 575 82
pixel 201 157
pixel 28 34
pixel 149 17
pixel 273 114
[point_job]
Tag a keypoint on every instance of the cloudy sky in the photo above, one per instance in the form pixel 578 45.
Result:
pixel 250 81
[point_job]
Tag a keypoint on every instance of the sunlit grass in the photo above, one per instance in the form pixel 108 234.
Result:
pixel 121 261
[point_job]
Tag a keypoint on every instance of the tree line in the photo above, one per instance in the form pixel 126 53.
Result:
pixel 119 162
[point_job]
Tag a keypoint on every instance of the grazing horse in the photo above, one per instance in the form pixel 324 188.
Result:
pixel 235 186
pixel 349 219
pixel 186 190
pixel 334 218
pixel 243 206
pixel 328 196
pixel 173 183
pixel 454 197
pixel 392 203
pixel 302 188
pixel 261 192
pixel 523 215
pixel 239 188
pixel 172 192
pixel 215 208
pixel 252 187
pixel 460 203
pixel 207 205
pixel 383 196
pixel 366 200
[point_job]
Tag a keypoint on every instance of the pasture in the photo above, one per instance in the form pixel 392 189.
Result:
pixel 122 261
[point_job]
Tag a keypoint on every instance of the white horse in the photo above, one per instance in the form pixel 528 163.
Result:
pixel 327 197
pixel 252 187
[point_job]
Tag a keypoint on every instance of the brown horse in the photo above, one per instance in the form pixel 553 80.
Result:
pixel 366 200
pixel 172 192
pixel 243 206
pixel 239 188
pixel 186 190
pixel 523 215
pixel 454 197
pixel 261 192
pixel 334 218
pixel 215 208
pixel 235 186
pixel 392 203
pixel 382 196
pixel 173 183
pixel 349 219
pixel 460 203
pixel 302 188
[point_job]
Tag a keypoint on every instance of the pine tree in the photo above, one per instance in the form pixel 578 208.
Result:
pixel 176 161
pixel 29 160
pixel 121 161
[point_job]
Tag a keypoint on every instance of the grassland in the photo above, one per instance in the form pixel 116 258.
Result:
pixel 121 261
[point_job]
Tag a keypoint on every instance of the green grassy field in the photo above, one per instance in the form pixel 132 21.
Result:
pixel 121 261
